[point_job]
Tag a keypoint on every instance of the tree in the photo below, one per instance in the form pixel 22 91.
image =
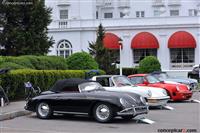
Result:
pixel 81 61
pixel 104 57
pixel 24 27
pixel 149 64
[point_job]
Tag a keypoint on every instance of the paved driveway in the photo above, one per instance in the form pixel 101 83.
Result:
pixel 186 115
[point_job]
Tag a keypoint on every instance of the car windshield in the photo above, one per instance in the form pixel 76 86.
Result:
pixel 90 86
pixel 152 79
pixel 121 81
pixel 161 76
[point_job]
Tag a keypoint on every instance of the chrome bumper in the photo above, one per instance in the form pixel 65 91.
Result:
pixel 157 102
pixel 134 111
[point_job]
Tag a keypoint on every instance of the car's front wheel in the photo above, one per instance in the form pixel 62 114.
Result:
pixel 103 112
pixel 43 110
pixel 127 117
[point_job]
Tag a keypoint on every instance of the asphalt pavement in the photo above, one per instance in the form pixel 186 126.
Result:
pixel 185 116
pixel 13 110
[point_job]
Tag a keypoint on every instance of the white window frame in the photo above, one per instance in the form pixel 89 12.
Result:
pixel 139 54
pixel 64 16
pixel 178 60
pixel 174 12
pixel 192 12
pixel 66 48
pixel 104 15
pixel 140 14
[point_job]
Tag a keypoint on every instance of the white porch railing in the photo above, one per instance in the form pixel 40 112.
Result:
pixel 126 22
pixel 124 3
pixel 158 3
pixel 174 2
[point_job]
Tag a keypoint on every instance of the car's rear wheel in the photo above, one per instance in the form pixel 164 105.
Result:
pixel 44 110
pixel 127 117
pixel 103 112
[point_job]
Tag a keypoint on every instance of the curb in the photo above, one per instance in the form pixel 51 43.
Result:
pixel 14 114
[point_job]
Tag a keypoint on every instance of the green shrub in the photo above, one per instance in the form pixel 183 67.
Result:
pixel 20 60
pixel 127 71
pixel 34 62
pixel 149 64
pixel 12 65
pixel 42 78
pixel 48 62
pixel 81 61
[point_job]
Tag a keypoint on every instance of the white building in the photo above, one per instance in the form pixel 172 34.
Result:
pixel 168 29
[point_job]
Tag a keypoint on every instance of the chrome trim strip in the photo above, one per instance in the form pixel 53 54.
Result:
pixel 65 112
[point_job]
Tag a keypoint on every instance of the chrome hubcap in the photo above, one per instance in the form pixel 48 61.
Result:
pixel 102 112
pixel 43 109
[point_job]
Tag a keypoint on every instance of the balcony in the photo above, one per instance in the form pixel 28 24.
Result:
pixel 124 3
pixel 126 23
pixel 104 3
pixel 174 3
pixel 156 3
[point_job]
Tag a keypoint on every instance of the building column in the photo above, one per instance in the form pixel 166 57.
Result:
pixel 197 50
pixel 163 52
pixel 127 60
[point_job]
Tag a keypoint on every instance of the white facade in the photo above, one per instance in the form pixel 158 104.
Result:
pixel 77 20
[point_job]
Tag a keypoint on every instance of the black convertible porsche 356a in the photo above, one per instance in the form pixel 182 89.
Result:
pixel 79 96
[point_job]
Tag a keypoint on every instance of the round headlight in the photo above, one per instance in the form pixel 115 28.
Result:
pixel 164 92
pixel 177 88
pixel 123 102
pixel 143 100
pixel 188 87
pixel 149 93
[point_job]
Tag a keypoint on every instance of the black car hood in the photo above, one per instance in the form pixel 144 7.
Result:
pixel 130 97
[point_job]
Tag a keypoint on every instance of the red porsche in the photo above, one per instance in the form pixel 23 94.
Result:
pixel 176 91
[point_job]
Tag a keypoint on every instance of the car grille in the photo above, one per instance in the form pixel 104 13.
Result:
pixel 141 109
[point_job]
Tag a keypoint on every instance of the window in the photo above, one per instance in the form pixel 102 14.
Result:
pixel 140 54
pixel 64 48
pixel 156 13
pixel 97 15
pixel 140 14
pixel 108 15
pixel 103 81
pixel 182 57
pixel 137 80
pixel 192 12
pixel 122 14
pixel 174 12
pixel 63 14
pixel 137 14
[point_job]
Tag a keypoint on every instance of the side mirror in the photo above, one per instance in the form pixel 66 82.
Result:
pixel 145 82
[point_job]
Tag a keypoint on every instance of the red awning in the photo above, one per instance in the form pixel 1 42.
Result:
pixel 144 40
pixel 181 39
pixel 111 41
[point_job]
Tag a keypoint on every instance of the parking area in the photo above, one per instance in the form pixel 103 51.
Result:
pixel 186 116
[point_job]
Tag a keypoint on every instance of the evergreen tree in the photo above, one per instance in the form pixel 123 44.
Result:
pixel 104 57
pixel 24 27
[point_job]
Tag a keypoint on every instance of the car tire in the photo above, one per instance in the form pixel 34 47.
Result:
pixel 103 112
pixel 127 117
pixel 44 110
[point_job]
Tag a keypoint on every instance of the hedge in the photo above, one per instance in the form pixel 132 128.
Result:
pixel 15 79
pixel 33 62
